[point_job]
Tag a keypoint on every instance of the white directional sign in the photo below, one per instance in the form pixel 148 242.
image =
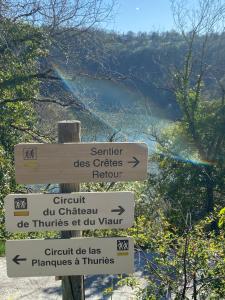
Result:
pixel 76 211
pixel 63 257
pixel 80 162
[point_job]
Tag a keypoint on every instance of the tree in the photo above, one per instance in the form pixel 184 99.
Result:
pixel 180 265
pixel 28 31
pixel 31 33
pixel 50 19
pixel 192 150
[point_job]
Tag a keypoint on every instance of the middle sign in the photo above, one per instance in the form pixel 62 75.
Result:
pixel 76 211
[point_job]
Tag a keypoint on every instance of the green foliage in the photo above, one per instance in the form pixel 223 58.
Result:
pixel 183 260
pixel 21 45
pixel 2 248
pixel 191 163
pixel 108 291
pixel 129 281
pixel 183 265
pixel 221 222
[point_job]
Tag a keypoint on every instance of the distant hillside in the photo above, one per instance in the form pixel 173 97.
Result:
pixel 113 72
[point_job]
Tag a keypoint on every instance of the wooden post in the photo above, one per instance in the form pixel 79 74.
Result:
pixel 72 286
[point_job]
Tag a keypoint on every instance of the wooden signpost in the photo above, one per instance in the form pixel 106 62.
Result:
pixel 72 286
pixel 80 162
pixel 69 163
pixel 75 211
pixel 73 256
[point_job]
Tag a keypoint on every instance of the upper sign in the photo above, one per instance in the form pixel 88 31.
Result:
pixel 63 257
pixel 76 211
pixel 80 162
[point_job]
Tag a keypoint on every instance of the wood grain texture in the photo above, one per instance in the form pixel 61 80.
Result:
pixel 72 286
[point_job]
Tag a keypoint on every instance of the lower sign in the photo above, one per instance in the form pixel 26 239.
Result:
pixel 78 256
pixel 76 211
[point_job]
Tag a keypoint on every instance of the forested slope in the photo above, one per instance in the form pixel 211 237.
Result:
pixel 142 63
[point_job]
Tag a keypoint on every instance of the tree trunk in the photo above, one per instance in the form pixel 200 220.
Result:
pixel 210 196
pixel 194 287
pixel 209 189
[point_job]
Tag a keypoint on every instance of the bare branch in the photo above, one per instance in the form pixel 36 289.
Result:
pixel 26 15
pixel 71 102
pixel 35 134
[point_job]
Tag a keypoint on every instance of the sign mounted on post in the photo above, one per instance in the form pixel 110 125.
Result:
pixel 75 211
pixel 80 162
pixel 64 257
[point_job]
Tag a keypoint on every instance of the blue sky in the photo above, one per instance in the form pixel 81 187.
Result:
pixel 142 15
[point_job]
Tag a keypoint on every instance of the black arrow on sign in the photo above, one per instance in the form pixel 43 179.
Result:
pixel 17 260
pixel 135 162
pixel 120 210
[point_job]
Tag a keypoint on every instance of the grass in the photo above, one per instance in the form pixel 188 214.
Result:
pixel 2 248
